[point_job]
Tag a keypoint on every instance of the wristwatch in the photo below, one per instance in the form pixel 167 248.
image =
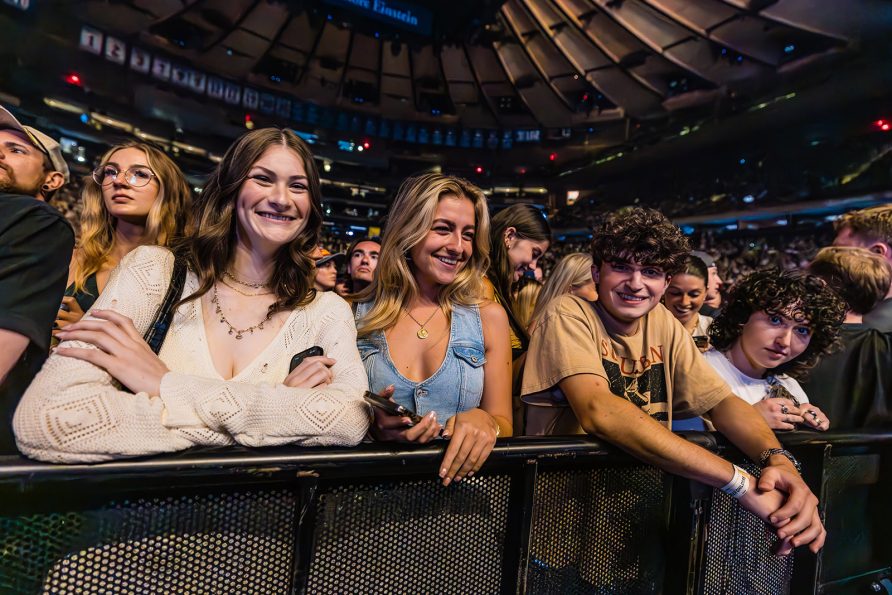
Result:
pixel 770 452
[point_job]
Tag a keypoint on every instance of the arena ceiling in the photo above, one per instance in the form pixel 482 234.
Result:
pixel 603 87
pixel 514 64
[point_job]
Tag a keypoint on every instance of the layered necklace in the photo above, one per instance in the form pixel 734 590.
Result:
pixel 250 284
pixel 239 333
pixel 422 331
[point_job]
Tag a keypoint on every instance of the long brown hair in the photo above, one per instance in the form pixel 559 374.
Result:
pixel 408 224
pixel 529 224
pixel 165 223
pixel 209 250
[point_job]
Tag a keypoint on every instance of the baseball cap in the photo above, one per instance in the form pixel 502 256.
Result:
pixel 708 260
pixel 46 144
pixel 322 256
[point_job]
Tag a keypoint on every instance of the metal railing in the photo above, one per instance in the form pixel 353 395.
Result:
pixel 545 515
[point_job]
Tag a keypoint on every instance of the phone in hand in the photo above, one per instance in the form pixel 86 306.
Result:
pixel 390 407
pixel 313 351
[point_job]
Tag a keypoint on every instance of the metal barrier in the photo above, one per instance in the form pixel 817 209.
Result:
pixel 545 515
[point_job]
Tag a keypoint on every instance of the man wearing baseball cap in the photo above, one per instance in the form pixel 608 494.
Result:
pixel 327 269
pixel 35 248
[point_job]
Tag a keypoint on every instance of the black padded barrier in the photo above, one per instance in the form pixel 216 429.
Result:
pixel 545 515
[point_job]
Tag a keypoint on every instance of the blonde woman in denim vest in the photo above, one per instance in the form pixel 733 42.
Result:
pixel 427 337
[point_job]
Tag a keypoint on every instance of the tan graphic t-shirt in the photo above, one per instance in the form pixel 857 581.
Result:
pixel 658 368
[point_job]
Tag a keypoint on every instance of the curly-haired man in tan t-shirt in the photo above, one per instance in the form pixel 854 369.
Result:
pixel 624 364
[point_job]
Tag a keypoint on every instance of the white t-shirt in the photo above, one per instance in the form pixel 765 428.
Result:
pixel 751 390
pixel 703 323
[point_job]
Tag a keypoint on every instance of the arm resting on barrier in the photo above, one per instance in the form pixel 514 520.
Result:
pixel 74 411
pixel 603 414
pixel 745 427
pixel 607 416
pixel 472 434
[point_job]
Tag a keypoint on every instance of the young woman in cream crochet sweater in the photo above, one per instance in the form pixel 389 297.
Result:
pixel 222 374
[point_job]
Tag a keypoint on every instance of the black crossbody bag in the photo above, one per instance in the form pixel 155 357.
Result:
pixel 158 330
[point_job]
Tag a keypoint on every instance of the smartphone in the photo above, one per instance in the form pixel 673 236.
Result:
pixel 390 407
pixel 313 351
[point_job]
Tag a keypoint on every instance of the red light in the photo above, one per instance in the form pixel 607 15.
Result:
pixel 883 125
pixel 552 157
pixel 249 122
pixel 366 144
pixel 478 169
pixel 73 79
pixel 522 170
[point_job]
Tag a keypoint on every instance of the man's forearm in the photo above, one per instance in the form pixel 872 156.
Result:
pixel 744 426
pixel 625 425
pixel 12 346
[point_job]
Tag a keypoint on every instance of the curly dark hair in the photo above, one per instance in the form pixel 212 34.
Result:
pixel 641 235
pixel 778 292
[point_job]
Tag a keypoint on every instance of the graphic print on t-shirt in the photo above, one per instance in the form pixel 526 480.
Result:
pixel 640 381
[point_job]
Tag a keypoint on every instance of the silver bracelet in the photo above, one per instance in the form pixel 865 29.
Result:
pixel 739 484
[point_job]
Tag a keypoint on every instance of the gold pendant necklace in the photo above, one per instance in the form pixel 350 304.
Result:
pixel 422 332
pixel 232 330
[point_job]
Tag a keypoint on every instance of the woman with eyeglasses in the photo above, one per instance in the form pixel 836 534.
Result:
pixel 136 197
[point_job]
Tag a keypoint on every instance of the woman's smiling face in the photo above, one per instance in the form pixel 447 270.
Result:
pixel 685 296
pixel 448 245
pixel 273 204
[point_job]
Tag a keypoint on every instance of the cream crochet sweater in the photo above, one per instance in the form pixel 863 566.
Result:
pixel 76 412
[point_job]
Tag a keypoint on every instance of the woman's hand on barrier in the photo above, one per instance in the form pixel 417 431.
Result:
pixel 313 372
pixel 121 351
pixel 815 418
pixel 472 435
pixel 396 428
pixel 69 314
pixel 798 519
pixel 781 414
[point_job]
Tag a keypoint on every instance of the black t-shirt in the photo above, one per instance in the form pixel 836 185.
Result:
pixel 35 248
pixel 854 386
pixel 880 317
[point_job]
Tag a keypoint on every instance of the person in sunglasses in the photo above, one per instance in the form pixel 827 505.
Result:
pixel 137 196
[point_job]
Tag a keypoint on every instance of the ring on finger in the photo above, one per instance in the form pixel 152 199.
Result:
pixel 784 409
pixel 813 413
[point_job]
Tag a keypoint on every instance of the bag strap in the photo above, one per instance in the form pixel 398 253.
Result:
pixel 158 330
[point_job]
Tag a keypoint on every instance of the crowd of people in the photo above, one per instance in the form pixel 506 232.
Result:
pixel 781 171
pixel 181 321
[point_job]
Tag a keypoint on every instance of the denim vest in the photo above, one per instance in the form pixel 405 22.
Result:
pixel 457 386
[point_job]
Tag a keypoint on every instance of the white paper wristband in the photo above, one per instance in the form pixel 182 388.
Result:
pixel 739 484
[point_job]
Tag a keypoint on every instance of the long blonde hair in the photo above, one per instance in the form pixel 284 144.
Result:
pixel 526 297
pixel 408 224
pixel 573 270
pixel 166 221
